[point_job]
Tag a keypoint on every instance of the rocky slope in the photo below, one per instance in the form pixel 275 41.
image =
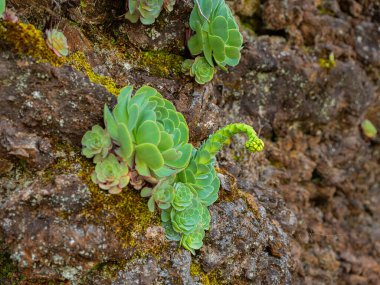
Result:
pixel 305 211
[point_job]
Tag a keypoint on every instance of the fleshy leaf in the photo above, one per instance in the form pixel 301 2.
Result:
pixel 148 132
pixel 150 154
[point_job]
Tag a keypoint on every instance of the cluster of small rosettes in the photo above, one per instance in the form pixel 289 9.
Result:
pixel 216 36
pixel 146 144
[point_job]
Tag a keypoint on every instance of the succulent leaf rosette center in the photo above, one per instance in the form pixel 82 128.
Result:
pixel 145 144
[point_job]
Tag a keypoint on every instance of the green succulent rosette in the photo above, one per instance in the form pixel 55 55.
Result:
pixel 170 233
pixel 111 175
pixel 152 137
pixel 202 70
pixel 194 240
pixel 161 195
pixel 96 143
pixel 216 33
pixel 194 216
pixel 183 197
pixel 57 41
pixel 145 10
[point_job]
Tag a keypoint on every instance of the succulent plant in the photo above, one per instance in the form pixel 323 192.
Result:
pixel 369 130
pixel 145 10
pixel 147 139
pixel 186 66
pixel 192 217
pixel 183 197
pixel 57 41
pixel 216 33
pixel 170 233
pixel 111 174
pixel 202 70
pixel 161 195
pixel 200 174
pixel 201 178
pixel 96 143
pixel 194 240
pixel 2 7
pixel 152 136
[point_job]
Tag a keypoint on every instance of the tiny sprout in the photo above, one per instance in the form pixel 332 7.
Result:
pixel 186 66
pixel 57 41
pixel 369 129
pixel 202 70
pixel 327 63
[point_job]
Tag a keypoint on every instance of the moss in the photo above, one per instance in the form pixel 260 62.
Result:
pixel 323 9
pixel 212 278
pixel 159 63
pixel 78 61
pixel 25 39
pixel 327 63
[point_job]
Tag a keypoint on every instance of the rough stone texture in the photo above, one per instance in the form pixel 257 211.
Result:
pixel 239 232
pixel 311 214
pixel 44 243
pixel 40 102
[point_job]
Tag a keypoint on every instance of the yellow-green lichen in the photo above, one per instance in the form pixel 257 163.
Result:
pixel 212 278
pixel 78 61
pixel 327 63
pixel 159 63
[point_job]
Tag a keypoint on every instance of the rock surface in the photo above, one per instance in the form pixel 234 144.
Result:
pixel 307 209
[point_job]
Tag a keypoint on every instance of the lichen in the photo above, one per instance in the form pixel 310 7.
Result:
pixel 158 63
pixel 211 278
pixel 78 61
